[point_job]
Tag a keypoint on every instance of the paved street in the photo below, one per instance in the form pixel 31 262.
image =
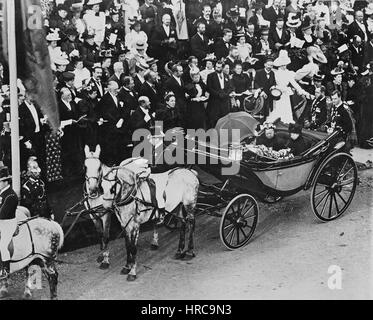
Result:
pixel 288 258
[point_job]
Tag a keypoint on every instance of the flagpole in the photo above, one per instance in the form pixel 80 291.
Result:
pixel 14 125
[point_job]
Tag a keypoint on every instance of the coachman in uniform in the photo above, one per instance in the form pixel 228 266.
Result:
pixel 8 221
pixel 34 195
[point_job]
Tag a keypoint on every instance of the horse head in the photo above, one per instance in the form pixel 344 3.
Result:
pixel 93 168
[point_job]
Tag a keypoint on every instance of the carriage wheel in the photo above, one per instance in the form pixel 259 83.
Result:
pixel 239 221
pixel 171 222
pixel 334 187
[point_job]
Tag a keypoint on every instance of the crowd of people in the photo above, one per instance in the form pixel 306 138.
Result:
pixel 120 65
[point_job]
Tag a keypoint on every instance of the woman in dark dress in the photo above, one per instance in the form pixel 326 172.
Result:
pixel 365 134
pixel 241 82
pixel 198 96
pixel 167 113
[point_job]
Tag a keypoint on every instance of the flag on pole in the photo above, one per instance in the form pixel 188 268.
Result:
pixel 33 61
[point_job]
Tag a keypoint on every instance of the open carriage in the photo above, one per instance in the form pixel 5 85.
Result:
pixel 325 169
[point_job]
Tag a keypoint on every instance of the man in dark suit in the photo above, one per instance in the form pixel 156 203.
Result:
pixel 115 130
pixel 222 46
pixel 118 72
pixel 95 81
pixel 358 27
pixel 200 43
pixel 70 142
pixel 32 126
pixel 176 85
pixel 264 80
pixel 142 118
pixel 337 84
pixel 127 94
pixel 279 37
pixel 148 89
pixel 357 52
pixel 139 75
pixel 205 19
pixel 163 41
pixel 272 13
pixel 220 89
pixel 233 58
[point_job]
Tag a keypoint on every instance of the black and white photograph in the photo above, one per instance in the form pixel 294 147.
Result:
pixel 186 155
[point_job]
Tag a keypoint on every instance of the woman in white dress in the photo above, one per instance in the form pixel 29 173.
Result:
pixel 95 20
pixel 282 108
pixel 136 35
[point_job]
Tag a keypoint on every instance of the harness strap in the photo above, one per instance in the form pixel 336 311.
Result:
pixel 32 242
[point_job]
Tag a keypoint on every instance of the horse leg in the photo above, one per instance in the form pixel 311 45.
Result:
pixel 27 295
pixel 191 224
pixel 180 252
pixel 154 245
pixel 126 269
pixel 99 228
pixel 50 271
pixel 4 288
pixel 105 241
pixel 134 236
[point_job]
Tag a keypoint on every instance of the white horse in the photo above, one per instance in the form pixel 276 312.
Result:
pixel 95 170
pixel 130 193
pixel 36 241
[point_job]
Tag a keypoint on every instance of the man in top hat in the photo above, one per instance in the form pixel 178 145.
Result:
pixel 89 51
pixel 8 221
pixel 68 82
pixel 265 80
pixel 138 77
pixel 279 36
pixel 293 23
pixel 199 43
pixel 150 90
pixel 143 117
pixel 263 48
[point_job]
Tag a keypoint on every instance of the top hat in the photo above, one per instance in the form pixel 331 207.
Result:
pixel 4 174
pixel 307 24
pixel 68 76
pixel 88 35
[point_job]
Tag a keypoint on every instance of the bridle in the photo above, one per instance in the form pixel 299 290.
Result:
pixel 98 179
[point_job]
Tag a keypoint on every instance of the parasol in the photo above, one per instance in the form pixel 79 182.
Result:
pixel 242 121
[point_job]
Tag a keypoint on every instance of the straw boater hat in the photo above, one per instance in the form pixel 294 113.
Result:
pixel 282 60
pixel 318 77
pixel 151 61
pixel 53 36
pixel 293 21
pixel 336 71
pixel 4 174
pixel 62 60
pixel 94 2
pixel 141 45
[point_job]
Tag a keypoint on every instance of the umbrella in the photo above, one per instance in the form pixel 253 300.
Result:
pixel 241 121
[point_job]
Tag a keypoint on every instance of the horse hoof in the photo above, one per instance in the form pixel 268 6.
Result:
pixel 154 247
pixel 179 255
pixel 27 296
pixel 131 278
pixel 188 256
pixel 54 298
pixel 100 258
pixel 125 271
pixel 4 293
pixel 104 266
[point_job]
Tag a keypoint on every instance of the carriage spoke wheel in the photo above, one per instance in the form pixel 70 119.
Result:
pixel 334 187
pixel 171 222
pixel 239 221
